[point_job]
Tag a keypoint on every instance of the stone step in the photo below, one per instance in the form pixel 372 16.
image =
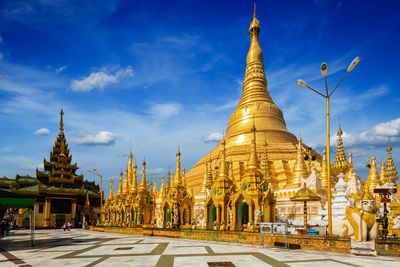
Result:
pixel 360 251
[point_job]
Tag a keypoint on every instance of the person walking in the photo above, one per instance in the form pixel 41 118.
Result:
pixel 69 226
pixel 64 227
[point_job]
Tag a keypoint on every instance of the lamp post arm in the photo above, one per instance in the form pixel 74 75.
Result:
pixel 338 84
pixel 316 91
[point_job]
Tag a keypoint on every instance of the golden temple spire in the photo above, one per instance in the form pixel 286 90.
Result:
pixel 299 168
pixel 391 172
pixel 340 164
pixel 144 184
pixel 256 102
pixel 253 159
pixel 382 175
pixel 373 177
pixel 223 170
pixel 135 185
pixel 121 184
pixel 350 169
pixel 111 194
pixel 87 202
pixel 255 53
pixel 177 180
pixel 61 120
pixel 155 192
pixel 126 183
pixel 162 188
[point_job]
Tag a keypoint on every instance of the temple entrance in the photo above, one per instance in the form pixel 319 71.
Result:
pixel 167 216
pixel 212 216
pixel 60 219
pixel 242 215
pixel 186 217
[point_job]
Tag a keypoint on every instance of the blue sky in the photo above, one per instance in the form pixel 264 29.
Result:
pixel 159 74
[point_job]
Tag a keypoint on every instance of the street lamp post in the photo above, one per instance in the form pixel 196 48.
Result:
pixel 94 171
pixel 324 71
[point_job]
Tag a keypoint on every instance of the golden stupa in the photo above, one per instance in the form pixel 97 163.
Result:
pixel 257 108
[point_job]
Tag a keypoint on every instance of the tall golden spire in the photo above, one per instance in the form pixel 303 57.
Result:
pixel 299 168
pixel 373 177
pixel 162 188
pixel 61 120
pixel 382 175
pixel 253 159
pixel 111 194
pixel 340 164
pixel 121 184
pixel 155 192
pixel 135 185
pixel 350 169
pixel 87 202
pixel 126 183
pixel 178 176
pixel 324 171
pixel 391 172
pixel 144 184
pixel 223 170
pixel 255 101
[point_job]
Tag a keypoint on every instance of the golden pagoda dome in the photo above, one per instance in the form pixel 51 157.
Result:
pixel 255 108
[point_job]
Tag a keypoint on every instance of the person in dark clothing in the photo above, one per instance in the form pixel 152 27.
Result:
pixel 2 228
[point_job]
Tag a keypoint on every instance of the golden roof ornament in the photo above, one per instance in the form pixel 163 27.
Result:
pixel 299 168
pixel 340 164
pixel 87 203
pixel 324 171
pixel 121 184
pixel 162 188
pixel 305 194
pixel 253 159
pixel 144 184
pixel 391 172
pixel 373 177
pixel 155 190
pixel 111 194
pixel 61 120
pixel 350 169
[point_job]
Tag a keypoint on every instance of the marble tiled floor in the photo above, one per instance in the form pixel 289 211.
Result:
pixel 86 248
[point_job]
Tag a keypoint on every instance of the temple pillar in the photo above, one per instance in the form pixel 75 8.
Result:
pixel 234 217
pixel 47 212
pixel 73 211
pixel 305 215
pixel 251 213
pixel 206 216
pixel 268 213
pixel 218 215
pixel 223 215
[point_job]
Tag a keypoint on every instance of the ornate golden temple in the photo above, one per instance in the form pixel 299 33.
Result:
pixel 61 195
pixel 251 176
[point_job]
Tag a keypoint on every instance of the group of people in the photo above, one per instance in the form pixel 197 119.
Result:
pixel 65 226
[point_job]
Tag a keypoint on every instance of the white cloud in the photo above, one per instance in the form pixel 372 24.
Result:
pixel 213 137
pixel 42 131
pixel 103 138
pixel 100 79
pixel 165 110
pixel 60 69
